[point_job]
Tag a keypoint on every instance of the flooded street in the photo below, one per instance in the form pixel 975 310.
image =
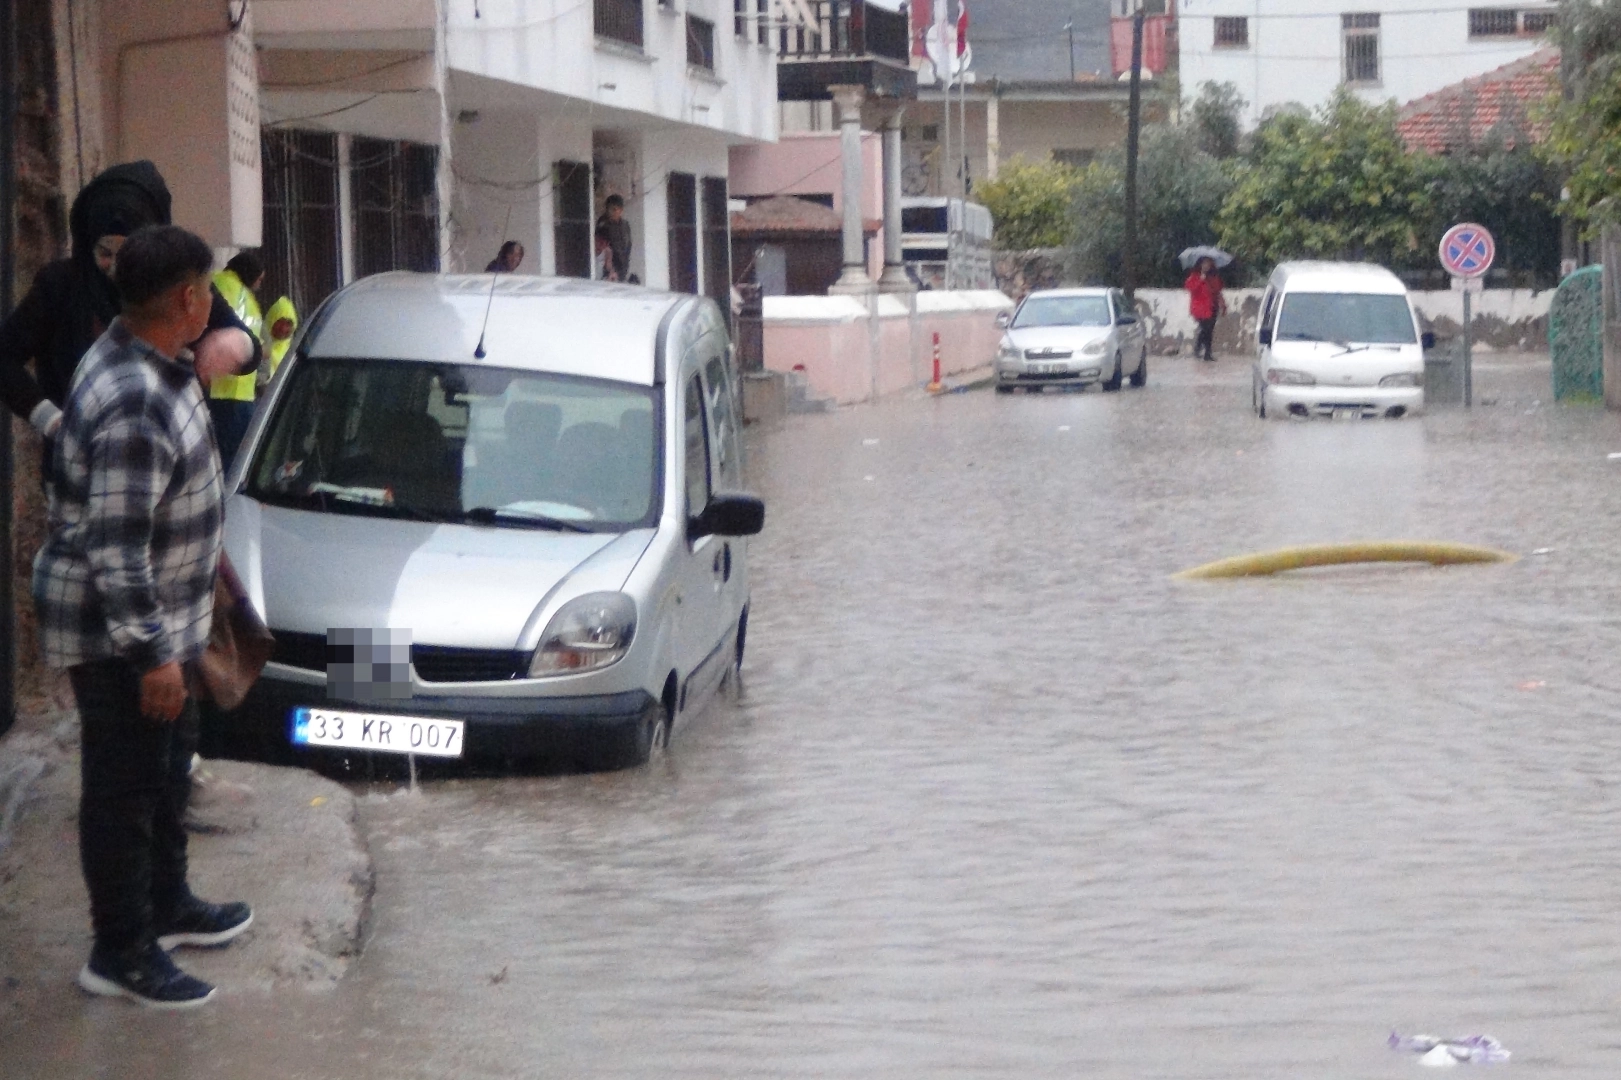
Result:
pixel 998 798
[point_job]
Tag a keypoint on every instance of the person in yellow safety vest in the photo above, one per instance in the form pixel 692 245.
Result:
pixel 230 397
pixel 281 320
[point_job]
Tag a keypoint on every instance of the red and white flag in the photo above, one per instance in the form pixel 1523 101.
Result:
pixel 962 26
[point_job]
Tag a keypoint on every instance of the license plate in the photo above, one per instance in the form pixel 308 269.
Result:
pixel 1347 414
pixel 1048 369
pixel 376 731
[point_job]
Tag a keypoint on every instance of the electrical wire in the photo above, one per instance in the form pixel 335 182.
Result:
pixel 412 59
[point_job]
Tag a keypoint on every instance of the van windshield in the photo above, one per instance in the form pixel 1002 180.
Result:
pixel 1346 318
pixel 1063 311
pixel 460 443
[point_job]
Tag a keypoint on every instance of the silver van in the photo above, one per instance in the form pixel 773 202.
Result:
pixel 490 517
pixel 1337 340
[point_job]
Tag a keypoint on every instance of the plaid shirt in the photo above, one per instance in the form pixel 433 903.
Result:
pixel 136 512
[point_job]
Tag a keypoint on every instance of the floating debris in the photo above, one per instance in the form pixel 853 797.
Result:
pixel 1444 1053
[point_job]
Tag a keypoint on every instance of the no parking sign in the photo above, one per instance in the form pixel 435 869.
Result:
pixel 1467 250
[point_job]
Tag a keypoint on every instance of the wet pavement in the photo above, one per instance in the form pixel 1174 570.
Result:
pixel 1000 799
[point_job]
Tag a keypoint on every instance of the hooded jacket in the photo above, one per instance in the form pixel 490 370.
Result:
pixel 71 302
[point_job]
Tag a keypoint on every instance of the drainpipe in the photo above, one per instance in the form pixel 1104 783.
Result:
pixel 8 272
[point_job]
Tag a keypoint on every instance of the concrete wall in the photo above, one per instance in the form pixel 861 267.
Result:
pixel 1507 319
pixel 855 349
pixel 1295 49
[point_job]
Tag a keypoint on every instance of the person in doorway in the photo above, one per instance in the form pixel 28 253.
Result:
pixel 1206 305
pixel 230 397
pixel 619 242
pixel 124 588
pixel 507 260
pixel 602 262
pixel 72 301
pixel 280 321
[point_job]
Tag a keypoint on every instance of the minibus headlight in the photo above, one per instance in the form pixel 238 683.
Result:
pixel 1285 377
pixel 1405 378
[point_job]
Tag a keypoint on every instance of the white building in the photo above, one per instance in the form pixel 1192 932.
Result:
pixel 427 132
pixel 1279 52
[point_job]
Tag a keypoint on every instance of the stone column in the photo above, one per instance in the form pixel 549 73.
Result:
pixel 993 133
pixel 894 279
pixel 848 100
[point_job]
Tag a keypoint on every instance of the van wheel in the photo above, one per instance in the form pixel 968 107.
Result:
pixel 1113 382
pixel 646 739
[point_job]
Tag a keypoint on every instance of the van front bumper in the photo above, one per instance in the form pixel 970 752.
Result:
pixel 1343 402
pixel 496 727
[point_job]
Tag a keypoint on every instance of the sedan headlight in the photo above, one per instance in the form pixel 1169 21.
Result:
pixel 1095 348
pixel 1406 378
pixel 1284 377
pixel 587 633
pixel 1006 351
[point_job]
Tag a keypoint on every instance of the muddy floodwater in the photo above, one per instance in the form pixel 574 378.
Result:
pixel 998 798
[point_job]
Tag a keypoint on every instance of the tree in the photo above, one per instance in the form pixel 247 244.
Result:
pixel 1214 115
pixel 1029 204
pixel 1338 185
pixel 1584 142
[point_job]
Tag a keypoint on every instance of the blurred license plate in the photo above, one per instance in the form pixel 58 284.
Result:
pixel 374 731
pixel 1347 414
pixel 1048 369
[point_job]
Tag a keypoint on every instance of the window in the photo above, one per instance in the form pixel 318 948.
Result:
pixel 1355 318
pixel 1510 22
pixel 619 20
pixel 681 211
pixel 301 230
pixel 1063 311
pixel 740 19
pixel 1361 33
pixel 717 243
pixel 1232 32
pixel 1076 159
pixel 723 413
pixel 396 206
pixel 700 43
pixel 571 228
pixel 697 439
pixel 763 31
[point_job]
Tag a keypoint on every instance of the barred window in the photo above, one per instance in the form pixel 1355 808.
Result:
pixel 700 43
pixel 1361 34
pixel 1232 32
pixel 1510 22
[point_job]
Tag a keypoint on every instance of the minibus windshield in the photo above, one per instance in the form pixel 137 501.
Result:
pixel 1346 318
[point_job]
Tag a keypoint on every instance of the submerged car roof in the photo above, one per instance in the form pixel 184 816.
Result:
pixel 563 325
pixel 1337 277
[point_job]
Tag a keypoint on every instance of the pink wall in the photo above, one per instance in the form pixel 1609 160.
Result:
pixel 808 163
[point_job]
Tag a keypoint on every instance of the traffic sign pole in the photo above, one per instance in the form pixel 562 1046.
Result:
pixel 1467 251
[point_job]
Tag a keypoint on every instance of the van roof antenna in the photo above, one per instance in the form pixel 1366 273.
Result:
pixel 478 350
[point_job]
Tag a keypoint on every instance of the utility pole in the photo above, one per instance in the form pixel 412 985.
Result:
pixel 1134 123
pixel 8 236
pixel 1069 28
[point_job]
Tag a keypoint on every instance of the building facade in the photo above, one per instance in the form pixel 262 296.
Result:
pixel 1298 52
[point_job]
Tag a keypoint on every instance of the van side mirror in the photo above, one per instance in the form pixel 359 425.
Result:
pixel 1002 320
pixel 729 513
pixel 1427 339
pixel 1265 336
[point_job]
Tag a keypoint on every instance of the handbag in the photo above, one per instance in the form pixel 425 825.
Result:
pixel 239 644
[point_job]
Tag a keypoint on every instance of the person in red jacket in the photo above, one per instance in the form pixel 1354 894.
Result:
pixel 1205 304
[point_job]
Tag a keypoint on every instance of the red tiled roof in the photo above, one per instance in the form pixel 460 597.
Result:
pixel 786 214
pixel 1438 122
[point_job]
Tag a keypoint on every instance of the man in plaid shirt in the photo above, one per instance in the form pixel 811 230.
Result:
pixel 124 587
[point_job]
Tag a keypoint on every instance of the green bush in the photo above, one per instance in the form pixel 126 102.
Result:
pixel 1029 204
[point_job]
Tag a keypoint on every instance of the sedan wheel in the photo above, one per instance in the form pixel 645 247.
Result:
pixel 1114 380
pixel 1258 399
pixel 1140 377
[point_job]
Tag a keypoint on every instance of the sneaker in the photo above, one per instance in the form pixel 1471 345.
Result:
pixel 144 974
pixel 205 924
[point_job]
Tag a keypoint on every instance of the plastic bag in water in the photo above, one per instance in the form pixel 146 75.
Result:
pixel 1469 1050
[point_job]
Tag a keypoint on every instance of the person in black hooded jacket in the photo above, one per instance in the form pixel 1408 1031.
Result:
pixel 72 300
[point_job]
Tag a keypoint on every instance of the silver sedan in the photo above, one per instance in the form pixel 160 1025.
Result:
pixel 1071 337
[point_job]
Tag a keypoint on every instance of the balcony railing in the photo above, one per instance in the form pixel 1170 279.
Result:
pixel 619 20
pixel 845 29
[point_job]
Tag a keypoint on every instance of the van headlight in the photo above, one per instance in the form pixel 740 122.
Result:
pixel 1285 377
pixel 588 633
pixel 1406 378
pixel 1095 348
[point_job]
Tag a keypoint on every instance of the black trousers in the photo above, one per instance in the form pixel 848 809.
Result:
pixel 1206 339
pixel 135 776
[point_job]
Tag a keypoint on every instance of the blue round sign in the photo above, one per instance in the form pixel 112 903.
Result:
pixel 1467 250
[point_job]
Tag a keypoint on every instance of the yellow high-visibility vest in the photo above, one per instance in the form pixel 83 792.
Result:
pixel 246 306
pixel 281 309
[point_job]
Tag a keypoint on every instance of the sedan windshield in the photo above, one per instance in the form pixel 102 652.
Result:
pixel 1363 318
pixel 462 443
pixel 1063 311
